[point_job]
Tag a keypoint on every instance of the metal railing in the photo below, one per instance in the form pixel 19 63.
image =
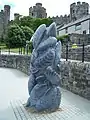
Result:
pixel 80 50
pixel 21 50
pixel 67 51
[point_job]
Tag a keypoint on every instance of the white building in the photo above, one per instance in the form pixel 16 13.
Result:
pixel 80 26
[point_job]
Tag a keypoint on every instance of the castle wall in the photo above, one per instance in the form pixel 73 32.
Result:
pixel 16 16
pixel 37 11
pixel 78 10
pixel 61 20
pixel 4 19
pixel 1 22
pixel 6 15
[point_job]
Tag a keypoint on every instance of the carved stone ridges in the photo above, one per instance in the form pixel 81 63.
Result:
pixel 44 81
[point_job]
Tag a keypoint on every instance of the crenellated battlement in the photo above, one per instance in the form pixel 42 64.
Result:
pixel 37 11
pixel 79 4
pixel 78 10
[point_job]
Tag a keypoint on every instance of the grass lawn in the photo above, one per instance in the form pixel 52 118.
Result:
pixel 2 46
pixel 13 50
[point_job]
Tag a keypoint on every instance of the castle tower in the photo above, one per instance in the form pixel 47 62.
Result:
pixel 37 11
pixel 16 16
pixel 78 10
pixel 31 11
pixel 73 12
pixel 6 14
pixel 1 22
pixel 4 19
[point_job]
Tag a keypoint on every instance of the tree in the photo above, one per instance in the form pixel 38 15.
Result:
pixel 15 36
pixel 28 32
pixel 33 23
pixel 38 21
pixel 26 21
pixel 21 30
pixel 63 38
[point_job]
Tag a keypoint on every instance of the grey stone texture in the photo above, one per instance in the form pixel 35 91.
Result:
pixel 16 16
pixel 78 10
pixel 75 76
pixel 77 53
pixel 4 19
pixel 79 38
pixel 20 62
pixel 37 11
pixel 61 20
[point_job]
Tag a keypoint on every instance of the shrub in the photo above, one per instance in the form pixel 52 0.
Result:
pixel 63 38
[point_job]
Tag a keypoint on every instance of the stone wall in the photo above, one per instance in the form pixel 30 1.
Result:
pixel 79 38
pixel 76 53
pixel 75 76
pixel 20 62
pixel 61 20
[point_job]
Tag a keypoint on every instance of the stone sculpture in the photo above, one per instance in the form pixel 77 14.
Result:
pixel 44 81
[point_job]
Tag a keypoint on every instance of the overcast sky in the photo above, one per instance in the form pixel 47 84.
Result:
pixel 53 7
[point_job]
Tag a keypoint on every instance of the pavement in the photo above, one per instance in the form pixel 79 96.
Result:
pixel 14 93
pixel 13 85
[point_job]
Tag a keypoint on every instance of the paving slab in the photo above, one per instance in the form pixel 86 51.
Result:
pixel 68 110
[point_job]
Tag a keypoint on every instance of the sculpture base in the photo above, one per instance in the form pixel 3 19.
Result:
pixel 33 110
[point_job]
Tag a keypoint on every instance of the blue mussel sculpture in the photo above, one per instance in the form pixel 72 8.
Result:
pixel 44 80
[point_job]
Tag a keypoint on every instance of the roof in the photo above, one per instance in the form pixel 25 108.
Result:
pixel 85 18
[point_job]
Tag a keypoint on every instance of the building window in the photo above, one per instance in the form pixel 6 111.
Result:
pixel 32 14
pixel 84 32
pixel 87 11
pixel 73 11
pixel 78 26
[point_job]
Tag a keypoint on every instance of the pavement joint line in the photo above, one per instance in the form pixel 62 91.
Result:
pixel 74 111
pixel 22 109
pixel 25 110
pixel 34 115
pixel 69 112
pixel 19 111
pixel 13 110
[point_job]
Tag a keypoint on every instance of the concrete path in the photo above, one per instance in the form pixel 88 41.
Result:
pixel 13 87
